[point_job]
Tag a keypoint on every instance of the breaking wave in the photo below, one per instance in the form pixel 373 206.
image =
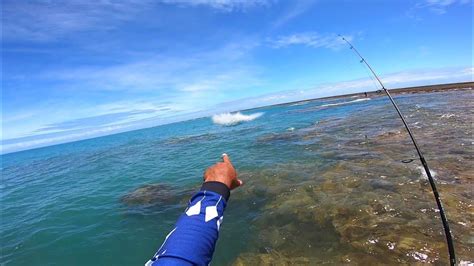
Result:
pixel 424 176
pixel 354 101
pixel 228 119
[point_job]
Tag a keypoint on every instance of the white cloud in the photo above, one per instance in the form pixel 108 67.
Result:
pixel 28 144
pixel 297 8
pixel 190 82
pixel 222 69
pixel 435 6
pixel 222 5
pixel 48 118
pixel 49 20
pixel 106 119
pixel 440 6
pixel 444 3
pixel 310 39
pixel 57 137
pixel 43 21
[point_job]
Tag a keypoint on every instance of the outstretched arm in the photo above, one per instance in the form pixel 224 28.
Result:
pixel 194 236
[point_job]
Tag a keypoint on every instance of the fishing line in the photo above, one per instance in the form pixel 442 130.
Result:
pixel 447 231
pixel 374 82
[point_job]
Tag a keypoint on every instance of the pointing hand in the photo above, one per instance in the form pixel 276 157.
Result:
pixel 223 172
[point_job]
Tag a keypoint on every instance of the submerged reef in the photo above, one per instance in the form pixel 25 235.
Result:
pixel 156 194
pixel 372 204
pixel 345 216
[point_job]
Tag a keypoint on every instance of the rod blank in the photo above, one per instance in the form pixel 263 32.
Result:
pixel 444 220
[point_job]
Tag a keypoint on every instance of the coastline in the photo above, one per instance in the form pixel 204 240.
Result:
pixel 468 85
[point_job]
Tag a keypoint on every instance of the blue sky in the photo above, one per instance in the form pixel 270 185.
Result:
pixel 78 69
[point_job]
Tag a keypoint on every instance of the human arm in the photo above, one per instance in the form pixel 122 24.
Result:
pixel 193 239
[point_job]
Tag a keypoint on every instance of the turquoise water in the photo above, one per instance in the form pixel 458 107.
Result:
pixel 311 169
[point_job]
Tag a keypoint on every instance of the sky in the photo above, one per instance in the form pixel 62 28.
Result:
pixel 78 69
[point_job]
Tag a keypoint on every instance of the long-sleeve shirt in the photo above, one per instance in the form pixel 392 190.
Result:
pixel 193 239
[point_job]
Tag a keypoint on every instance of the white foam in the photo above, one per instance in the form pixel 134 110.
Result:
pixel 448 115
pixel 228 119
pixel 423 173
pixel 354 101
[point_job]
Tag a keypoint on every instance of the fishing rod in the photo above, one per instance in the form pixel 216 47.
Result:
pixel 447 231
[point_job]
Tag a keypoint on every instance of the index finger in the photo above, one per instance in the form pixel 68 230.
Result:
pixel 225 158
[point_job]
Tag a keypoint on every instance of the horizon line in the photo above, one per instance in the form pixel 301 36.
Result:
pixel 434 87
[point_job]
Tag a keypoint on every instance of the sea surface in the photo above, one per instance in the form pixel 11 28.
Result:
pixel 326 181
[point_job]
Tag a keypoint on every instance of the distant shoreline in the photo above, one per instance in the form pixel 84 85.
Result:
pixel 397 91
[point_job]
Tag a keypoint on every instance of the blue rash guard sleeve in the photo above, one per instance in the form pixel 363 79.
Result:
pixel 193 239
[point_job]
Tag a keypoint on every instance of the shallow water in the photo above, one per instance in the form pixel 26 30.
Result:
pixel 325 183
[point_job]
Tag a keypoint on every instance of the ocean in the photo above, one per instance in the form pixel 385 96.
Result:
pixel 325 181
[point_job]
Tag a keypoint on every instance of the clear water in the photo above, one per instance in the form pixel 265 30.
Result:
pixel 324 184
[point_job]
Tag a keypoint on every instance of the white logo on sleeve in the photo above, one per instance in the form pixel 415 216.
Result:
pixel 211 211
pixel 196 208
